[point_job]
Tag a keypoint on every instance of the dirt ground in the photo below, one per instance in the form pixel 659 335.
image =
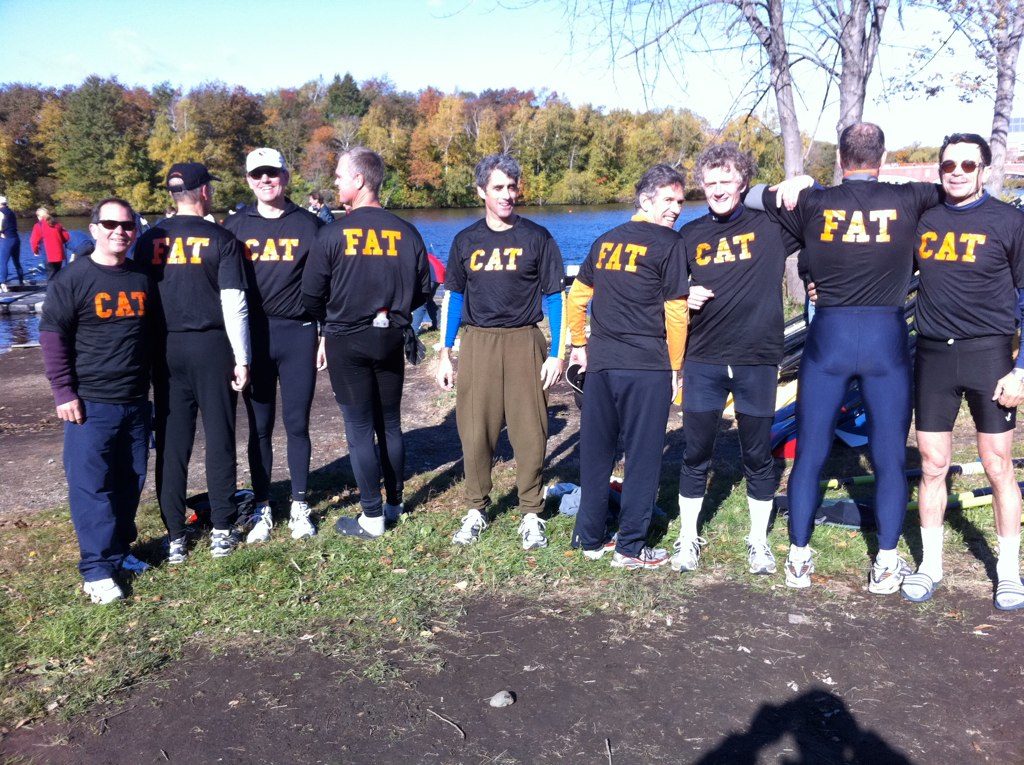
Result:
pixel 730 675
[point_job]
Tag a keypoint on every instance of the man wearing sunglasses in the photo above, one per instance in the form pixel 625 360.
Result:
pixel 197 266
pixel 96 336
pixel 276 235
pixel 971 261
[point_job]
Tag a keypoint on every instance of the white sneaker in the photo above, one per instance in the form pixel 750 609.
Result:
pixel 177 550
pixel 393 512
pixel 299 521
pixel 798 575
pixel 531 531
pixel 649 558
pixel 103 591
pixel 686 553
pixel 473 524
pixel 262 521
pixel 886 581
pixel 760 558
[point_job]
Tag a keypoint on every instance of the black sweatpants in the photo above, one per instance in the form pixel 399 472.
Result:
pixel 285 350
pixel 367 370
pixel 195 377
pixel 633 404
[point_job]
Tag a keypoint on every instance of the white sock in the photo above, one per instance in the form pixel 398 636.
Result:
pixel 931 552
pixel 373 526
pixel 689 512
pixel 760 513
pixel 886 558
pixel 1008 565
pixel 799 554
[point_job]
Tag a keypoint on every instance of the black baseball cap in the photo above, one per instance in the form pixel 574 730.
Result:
pixel 188 175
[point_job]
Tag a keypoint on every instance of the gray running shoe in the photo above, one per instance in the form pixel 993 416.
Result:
pixel 531 531
pixel 686 551
pixel 760 558
pixel 473 524
pixel 223 542
pixel 886 581
pixel 177 550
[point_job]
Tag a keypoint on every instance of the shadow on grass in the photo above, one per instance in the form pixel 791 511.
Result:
pixel 822 728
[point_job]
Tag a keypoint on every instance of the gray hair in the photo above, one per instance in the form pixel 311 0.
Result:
pixel 190 197
pixel 725 156
pixel 368 164
pixel 504 162
pixel 657 177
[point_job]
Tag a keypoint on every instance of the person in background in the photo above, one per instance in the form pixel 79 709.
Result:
pixel 10 245
pixel 318 207
pixel 49 235
pixel 96 337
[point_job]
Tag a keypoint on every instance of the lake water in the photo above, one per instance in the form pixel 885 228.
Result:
pixel 574 228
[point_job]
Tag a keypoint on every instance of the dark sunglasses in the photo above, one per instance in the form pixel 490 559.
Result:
pixel 110 225
pixel 968 166
pixel 270 172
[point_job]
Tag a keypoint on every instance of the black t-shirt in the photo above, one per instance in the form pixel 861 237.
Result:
pixel 369 260
pixel 633 269
pixel 104 313
pixel 742 260
pixel 504 274
pixel 859 238
pixel 275 250
pixel 971 261
pixel 191 261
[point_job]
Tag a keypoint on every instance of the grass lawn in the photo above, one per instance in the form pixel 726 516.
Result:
pixel 59 654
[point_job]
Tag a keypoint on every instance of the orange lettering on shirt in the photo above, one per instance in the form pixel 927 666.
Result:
pixel 124 307
pixel 140 301
pixel 101 310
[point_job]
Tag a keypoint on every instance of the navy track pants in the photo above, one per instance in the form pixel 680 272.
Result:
pixel 633 404
pixel 105 463
pixel 845 343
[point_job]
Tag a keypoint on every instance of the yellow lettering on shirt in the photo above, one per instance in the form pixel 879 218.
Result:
pixel 512 253
pixel 372 246
pixel 856 231
pixel 634 251
pixel 971 240
pixel 882 217
pixel 474 263
pixel 700 256
pixel 288 244
pixel 832 219
pixel 270 251
pixel 614 263
pixel 177 256
pixel 949 251
pixel 494 262
pixel 352 236
pixel 197 243
pixel 743 240
pixel 724 253
pixel 602 254
pixel 392 237
pixel 927 238
pixel 250 252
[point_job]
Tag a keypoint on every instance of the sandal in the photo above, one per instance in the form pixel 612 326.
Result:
pixel 918 587
pixel 1009 595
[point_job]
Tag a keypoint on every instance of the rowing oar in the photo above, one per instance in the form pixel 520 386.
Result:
pixel 964 468
pixel 966 499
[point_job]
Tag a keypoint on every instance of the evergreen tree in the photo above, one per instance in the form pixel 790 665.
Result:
pixel 344 99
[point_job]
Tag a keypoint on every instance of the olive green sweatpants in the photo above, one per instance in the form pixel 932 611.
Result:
pixel 499 383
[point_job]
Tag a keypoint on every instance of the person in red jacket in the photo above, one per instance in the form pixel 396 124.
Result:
pixel 52 236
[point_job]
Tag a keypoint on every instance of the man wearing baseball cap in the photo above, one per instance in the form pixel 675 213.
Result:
pixel 202 312
pixel 276 235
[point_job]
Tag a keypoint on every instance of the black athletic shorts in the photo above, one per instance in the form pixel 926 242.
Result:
pixel 947 371
pixel 707 386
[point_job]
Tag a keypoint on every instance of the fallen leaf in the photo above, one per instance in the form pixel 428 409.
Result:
pixel 461 585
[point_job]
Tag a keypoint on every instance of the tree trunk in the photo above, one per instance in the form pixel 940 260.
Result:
pixel 857 36
pixel 1007 47
pixel 773 38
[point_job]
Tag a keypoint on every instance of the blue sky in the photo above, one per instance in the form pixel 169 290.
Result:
pixel 465 45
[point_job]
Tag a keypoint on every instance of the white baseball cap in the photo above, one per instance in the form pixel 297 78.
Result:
pixel 3 200
pixel 264 158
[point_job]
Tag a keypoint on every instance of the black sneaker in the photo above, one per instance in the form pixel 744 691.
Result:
pixel 223 542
